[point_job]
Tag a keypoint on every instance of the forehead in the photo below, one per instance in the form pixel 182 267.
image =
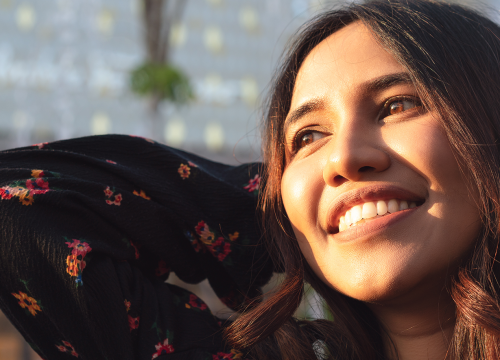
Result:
pixel 341 64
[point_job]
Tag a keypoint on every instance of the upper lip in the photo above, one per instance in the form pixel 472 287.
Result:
pixel 351 198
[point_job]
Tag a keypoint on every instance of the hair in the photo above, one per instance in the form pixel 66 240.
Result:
pixel 452 55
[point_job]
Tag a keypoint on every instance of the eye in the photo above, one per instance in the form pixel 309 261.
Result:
pixel 396 106
pixel 306 137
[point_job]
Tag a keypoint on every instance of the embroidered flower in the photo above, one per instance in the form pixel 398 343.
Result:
pixel 74 265
pixel 220 248
pixel 39 186
pixel 133 323
pixel 137 255
pixel 234 236
pixel 67 347
pixel 192 164
pixel 206 236
pixel 142 194
pixel 233 355
pixel 108 192
pixel 5 193
pixel 162 268
pixel 163 348
pixel 79 248
pixel 184 171
pixel 26 200
pixel 27 302
pixel 196 302
pixel 253 184
pixel 194 242
pixel 127 304
pixel 111 162
pixel 37 174
pixel 40 145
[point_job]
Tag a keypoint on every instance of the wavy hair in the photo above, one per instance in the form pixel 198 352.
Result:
pixel 452 54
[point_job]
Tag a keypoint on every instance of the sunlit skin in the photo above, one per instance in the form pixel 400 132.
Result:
pixel 362 131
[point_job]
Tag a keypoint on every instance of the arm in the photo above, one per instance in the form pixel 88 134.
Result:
pixel 91 228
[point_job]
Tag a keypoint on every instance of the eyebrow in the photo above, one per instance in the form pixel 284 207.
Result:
pixel 372 86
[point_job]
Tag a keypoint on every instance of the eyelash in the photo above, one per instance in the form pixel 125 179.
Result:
pixel 382 115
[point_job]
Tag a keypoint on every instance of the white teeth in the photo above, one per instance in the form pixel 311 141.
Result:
pixel 392 206
pixel 348 221
pixel 369 210
pixel 381 207
pixel 356 214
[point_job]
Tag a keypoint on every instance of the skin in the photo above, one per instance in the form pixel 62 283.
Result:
pixel 399 270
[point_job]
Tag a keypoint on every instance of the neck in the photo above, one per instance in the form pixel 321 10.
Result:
pixel 418 330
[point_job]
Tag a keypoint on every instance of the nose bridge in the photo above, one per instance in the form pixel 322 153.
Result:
pixel 354 152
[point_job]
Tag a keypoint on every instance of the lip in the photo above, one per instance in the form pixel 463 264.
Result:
pixel 359 196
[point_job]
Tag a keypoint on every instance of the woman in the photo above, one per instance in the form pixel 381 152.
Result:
pixel 381 191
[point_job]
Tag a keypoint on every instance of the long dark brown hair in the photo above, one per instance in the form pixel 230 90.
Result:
pixel 453 57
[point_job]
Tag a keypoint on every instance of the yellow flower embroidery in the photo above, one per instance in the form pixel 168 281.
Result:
pixel 234 236
pixel 28 302
pixel 37 173
pixel 142 194
pixel 184 171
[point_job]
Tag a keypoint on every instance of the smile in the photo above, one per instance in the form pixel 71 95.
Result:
pixel 369 210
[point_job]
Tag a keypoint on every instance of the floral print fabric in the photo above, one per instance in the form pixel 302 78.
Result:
pixel 87 243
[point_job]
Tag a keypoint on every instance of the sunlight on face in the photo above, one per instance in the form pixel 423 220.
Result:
pixel 376 198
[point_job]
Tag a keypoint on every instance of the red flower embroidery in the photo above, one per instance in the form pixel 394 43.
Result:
pixel 27 302
pixel 136 250
pixel 117 198
pixel 111 162
pixel 38 187
pixel 192 164
pixel 5 193
pixel 253 184
pixel 206 236
pixel 162 268
pixel 220 248
pixel 233 355
pixel 164 348
pixel 108 192
pixel 67 347
pixel 133 323
pixel 184 171
pixel 196 302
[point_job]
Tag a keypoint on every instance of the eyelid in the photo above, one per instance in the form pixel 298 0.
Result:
pixel 293 138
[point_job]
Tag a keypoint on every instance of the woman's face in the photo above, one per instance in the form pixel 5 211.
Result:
pixel 360 146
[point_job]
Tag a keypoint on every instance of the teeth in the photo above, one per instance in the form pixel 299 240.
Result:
pixel 381 208
pixel 392 206
pixel 357 214
pixel 369 210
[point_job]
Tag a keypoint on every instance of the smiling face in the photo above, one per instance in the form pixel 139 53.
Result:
pixel 372 189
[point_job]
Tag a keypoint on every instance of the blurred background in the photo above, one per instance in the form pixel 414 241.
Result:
pixel 188 73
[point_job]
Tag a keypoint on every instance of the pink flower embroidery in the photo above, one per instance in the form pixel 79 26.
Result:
pixel 117 198
pixel 133 323
pixel 192 164
pixel 111 162
pixel 164 348
pixel 253 184
pixel 79 248
pixel 40 145
pixel 38 187
pixel 67 347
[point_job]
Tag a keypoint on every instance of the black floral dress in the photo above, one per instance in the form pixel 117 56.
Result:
pixel 91 229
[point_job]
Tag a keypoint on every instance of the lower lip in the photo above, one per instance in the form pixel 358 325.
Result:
pixel 373 226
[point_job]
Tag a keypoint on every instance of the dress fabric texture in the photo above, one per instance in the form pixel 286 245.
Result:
pixel 91 229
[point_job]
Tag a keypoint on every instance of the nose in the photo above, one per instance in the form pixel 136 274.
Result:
pixel 354 155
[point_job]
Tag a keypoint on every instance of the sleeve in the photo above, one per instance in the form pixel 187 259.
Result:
pixel 92 227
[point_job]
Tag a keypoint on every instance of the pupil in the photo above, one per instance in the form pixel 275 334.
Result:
pixel 396 107
pixel 306 139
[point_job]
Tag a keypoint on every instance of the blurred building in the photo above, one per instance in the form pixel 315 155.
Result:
pixel 64 70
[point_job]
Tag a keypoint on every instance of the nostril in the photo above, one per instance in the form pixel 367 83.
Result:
pixel 366 169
